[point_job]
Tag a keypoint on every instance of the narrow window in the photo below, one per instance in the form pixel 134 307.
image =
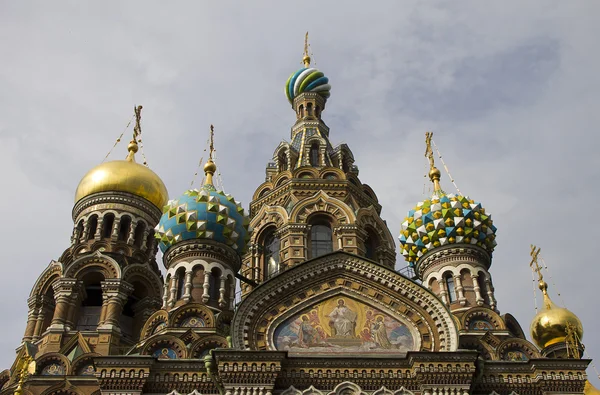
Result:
pixel 314 155
pixel 92 227
pixel 107 224
pixel 180 283
pixel 451 290
pixel 124 226
pixel 321 241
pixel 271 249
pixel 139 234
pixel 371 245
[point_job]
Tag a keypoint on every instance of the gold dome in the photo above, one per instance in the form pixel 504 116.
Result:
pixel 589 389
pixel 549 325
pixel 124 176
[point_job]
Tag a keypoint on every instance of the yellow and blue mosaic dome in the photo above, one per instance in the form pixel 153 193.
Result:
pixel 307 80
pixel 443 220
pixel 204 214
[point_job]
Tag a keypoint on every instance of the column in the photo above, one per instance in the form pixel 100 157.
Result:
pixel 115 229
pixel 232 295
pixel 206 286
pixel 131 234
pixel 222 302
pixel 173 291
pixel 460 290
pixel 443 291
pixel 32 316
pixel 143 244
pixel 166 292
pixel 477 290
pixel 490 293
pixel 98 234
pixel 115 293
pixel 63 291
pixel 86 229
pixel 187 295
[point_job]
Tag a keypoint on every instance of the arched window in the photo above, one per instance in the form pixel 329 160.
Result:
pixel 271 249
pixel 483 288
pixel 78 231
pixel 317 111
pixel 131 322
pixel 107 225
pixel 91 305
pixel 124 225
pixel 139 234
pixel 283 163
pixel 301 111
pixel 321 240
pixel 180 282
pixel 214 285
pixel 92 227
pixel 314 154
pixel 309 109
pixel 451 289
pixel 371 245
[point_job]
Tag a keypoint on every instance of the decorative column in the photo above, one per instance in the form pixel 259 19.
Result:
pixel 86 229
pixel 187 295
pixel 443 291
pixel 131 233
pixel 114 234
pixel 99 227
pixel 173 291
pixel 232 295
pixel 460 290
pixel 143 244
pixel 477 290
pixel 490 293
pixel 166 292
pixel 63 291
pixel 115 293
pixel 206 286
pixel 222 302
pixel 34 304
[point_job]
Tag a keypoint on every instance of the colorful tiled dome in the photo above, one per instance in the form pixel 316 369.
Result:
pixel 204 214
pixel 444 220
pixel 307 80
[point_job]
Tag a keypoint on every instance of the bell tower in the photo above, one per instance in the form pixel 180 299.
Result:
pixel 312 202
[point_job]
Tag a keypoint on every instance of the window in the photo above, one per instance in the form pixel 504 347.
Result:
pixel 109 219
pixel 92 227
pixel 91 305
pixel 483 288
pixel 124 226
pixel 271 249
pixel 180 282
pixel 451 290
pixel 321 241
pixel 283 163
pixel 371 244
pixel 139 234
pixel 314 155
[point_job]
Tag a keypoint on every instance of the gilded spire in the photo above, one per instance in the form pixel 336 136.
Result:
pixel 137 130
pixel 434 173
pixel 306 58
pixel 210 167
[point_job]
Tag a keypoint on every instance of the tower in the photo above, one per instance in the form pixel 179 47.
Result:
pixel 312 202
pixel 96 297
pixel 449 240
pixel 202 234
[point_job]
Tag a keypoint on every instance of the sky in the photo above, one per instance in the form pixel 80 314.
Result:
pixel 509 88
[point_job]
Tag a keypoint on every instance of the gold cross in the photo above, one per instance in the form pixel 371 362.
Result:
pixel 428 150
pixel 535 251
pixel 137 129
pixel 212 145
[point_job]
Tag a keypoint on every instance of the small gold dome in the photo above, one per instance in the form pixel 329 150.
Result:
pixel 210 167
pixel 549 325
pixel 124 176
pixel 589 389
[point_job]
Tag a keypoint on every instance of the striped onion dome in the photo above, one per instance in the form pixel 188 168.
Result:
pixel 307 80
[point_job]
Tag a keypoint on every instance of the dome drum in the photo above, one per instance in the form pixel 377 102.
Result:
pixel 117 201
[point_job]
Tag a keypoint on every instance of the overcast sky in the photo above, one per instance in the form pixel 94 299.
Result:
pixel 510 89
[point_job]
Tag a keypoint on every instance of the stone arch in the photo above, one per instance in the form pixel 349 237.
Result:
pixel 45 363
pixel 332 170
pixel 158 318
pixel 94 262
pixel 369 217
pixel 200 345
pixel 193 309
pixel 260 312
pixel 485 314
pixel 321 202
pixel 370 192
pixel 81 363
pixel 306 170
pixel 62 388
pixel 140 273
pixel 513 345
pixel 513 325
pixel 267 216
pixel 49 275
pixel 169 341
pixel 347 388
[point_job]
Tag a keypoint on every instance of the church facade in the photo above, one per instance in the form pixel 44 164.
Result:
pixel 299 296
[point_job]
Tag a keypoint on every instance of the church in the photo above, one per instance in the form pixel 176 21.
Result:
pixel 299 295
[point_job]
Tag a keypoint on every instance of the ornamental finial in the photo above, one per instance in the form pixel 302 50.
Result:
pixel 535 266
pixel 306 58
pixel 210 167
pixel 137 130
pixel 434 173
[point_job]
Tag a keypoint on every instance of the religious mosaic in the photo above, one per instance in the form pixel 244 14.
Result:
pixel 193 322
pixel 53 369
pixel 343 325
pixel 164 353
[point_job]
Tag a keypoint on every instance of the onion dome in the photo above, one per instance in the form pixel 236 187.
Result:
pixel 307 79
pixel 589 389
pixel 124 176
pixel 204 214
pixel 444 219
pixel 549 326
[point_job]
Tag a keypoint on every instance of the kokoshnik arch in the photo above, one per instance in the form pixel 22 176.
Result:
pixel 322 309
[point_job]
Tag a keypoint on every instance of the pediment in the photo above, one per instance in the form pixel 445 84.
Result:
pixel 273 315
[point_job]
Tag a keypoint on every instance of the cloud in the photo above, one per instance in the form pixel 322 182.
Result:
pixel 510 90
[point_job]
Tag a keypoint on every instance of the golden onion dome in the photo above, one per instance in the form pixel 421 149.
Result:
pixel 124 176
pixel 549 326
pixel 589 389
